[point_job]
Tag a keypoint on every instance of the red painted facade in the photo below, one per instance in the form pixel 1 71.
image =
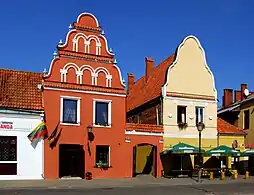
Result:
pixel 84 68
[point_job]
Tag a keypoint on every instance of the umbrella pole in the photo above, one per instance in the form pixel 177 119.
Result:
pixel 181 165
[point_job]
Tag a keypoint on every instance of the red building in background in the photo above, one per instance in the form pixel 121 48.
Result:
pixel 84 99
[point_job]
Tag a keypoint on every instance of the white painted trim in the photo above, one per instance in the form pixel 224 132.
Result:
pixel 67 38
pixel 188 136
pixel 120 75
pixel 142 133
pixel 106 44
pixel 89 14
pixel 70 124
pixel 109 150
pixel 199 108
pixel 84 91
pixel 190 99
pixel 78 110
pixel 109 102
pixel 2 162
pixel 176 59
pixel 50 66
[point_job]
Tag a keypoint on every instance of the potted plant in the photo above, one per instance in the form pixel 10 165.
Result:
pixel 100 164
pixel 88 175
pixel 182 125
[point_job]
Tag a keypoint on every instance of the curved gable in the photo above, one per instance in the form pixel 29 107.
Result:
pixel 189 73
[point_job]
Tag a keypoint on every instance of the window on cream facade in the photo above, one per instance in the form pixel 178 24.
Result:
pixel 181 114
pixel 70 110
pixel 200 115
pixel 102 113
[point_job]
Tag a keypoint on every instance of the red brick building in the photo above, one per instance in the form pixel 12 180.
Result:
pixel 84 93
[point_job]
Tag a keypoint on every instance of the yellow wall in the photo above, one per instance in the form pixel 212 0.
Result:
pixel 228 140
pixel 249 105
pixel 206 144
pixel 142 152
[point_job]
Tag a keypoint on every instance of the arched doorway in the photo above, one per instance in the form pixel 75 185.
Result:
pixel 144 160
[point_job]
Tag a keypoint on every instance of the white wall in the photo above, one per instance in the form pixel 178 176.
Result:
pixel 29 159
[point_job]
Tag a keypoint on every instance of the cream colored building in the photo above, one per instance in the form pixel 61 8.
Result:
pixel 189 96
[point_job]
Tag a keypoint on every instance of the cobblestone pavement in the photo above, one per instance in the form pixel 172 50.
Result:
pixel 116 183
pixel 203 189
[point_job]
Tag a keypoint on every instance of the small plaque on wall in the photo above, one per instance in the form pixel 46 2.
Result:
pixel 170 115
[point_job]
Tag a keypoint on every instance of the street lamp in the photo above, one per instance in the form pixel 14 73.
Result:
pixel 89 129
pixel 200 127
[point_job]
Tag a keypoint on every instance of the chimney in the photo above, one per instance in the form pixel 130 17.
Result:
pixel 227 97
pixel 237 95
pixel 243 87
pixel 131 79
pixel 149 66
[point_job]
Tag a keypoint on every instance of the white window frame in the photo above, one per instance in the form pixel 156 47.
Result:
pixel 109 149
pixel 109 112
pixel 199 108
pixel 78 110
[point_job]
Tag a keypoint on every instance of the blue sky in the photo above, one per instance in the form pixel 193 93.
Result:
pixel 30 31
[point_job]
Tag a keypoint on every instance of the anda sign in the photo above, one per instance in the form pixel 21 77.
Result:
pixel 6 125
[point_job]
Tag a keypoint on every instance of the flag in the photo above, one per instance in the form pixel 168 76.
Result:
pixel 39 132
pixel 52 137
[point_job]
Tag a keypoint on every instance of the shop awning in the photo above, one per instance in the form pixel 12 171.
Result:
pixel 249 152
pixel 182 148
pixel 222 151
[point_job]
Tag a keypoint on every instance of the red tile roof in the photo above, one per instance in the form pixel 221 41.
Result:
pixel 18 89
pixel 226 128
pixel 142 91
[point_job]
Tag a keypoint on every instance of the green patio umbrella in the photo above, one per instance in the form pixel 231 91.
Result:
pixel 248 152
pixel 183 148
pixel 222 151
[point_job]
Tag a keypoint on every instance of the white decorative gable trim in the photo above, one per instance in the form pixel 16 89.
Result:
pixel 89 14
pixel 164 90
pixel 79 73
pixel 87 41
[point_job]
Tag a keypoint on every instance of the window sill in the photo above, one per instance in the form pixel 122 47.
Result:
pixel 3 162
pixel 70 124
pixel 103 167
pixel 102 126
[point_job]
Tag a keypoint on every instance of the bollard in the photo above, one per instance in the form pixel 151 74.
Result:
pixel 222 176
pixel 211 176
pixel 247 175
pixel 235 175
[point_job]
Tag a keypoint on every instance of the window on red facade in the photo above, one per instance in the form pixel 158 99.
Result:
pixel 101 115
pixel 70 111
pixel 102 156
